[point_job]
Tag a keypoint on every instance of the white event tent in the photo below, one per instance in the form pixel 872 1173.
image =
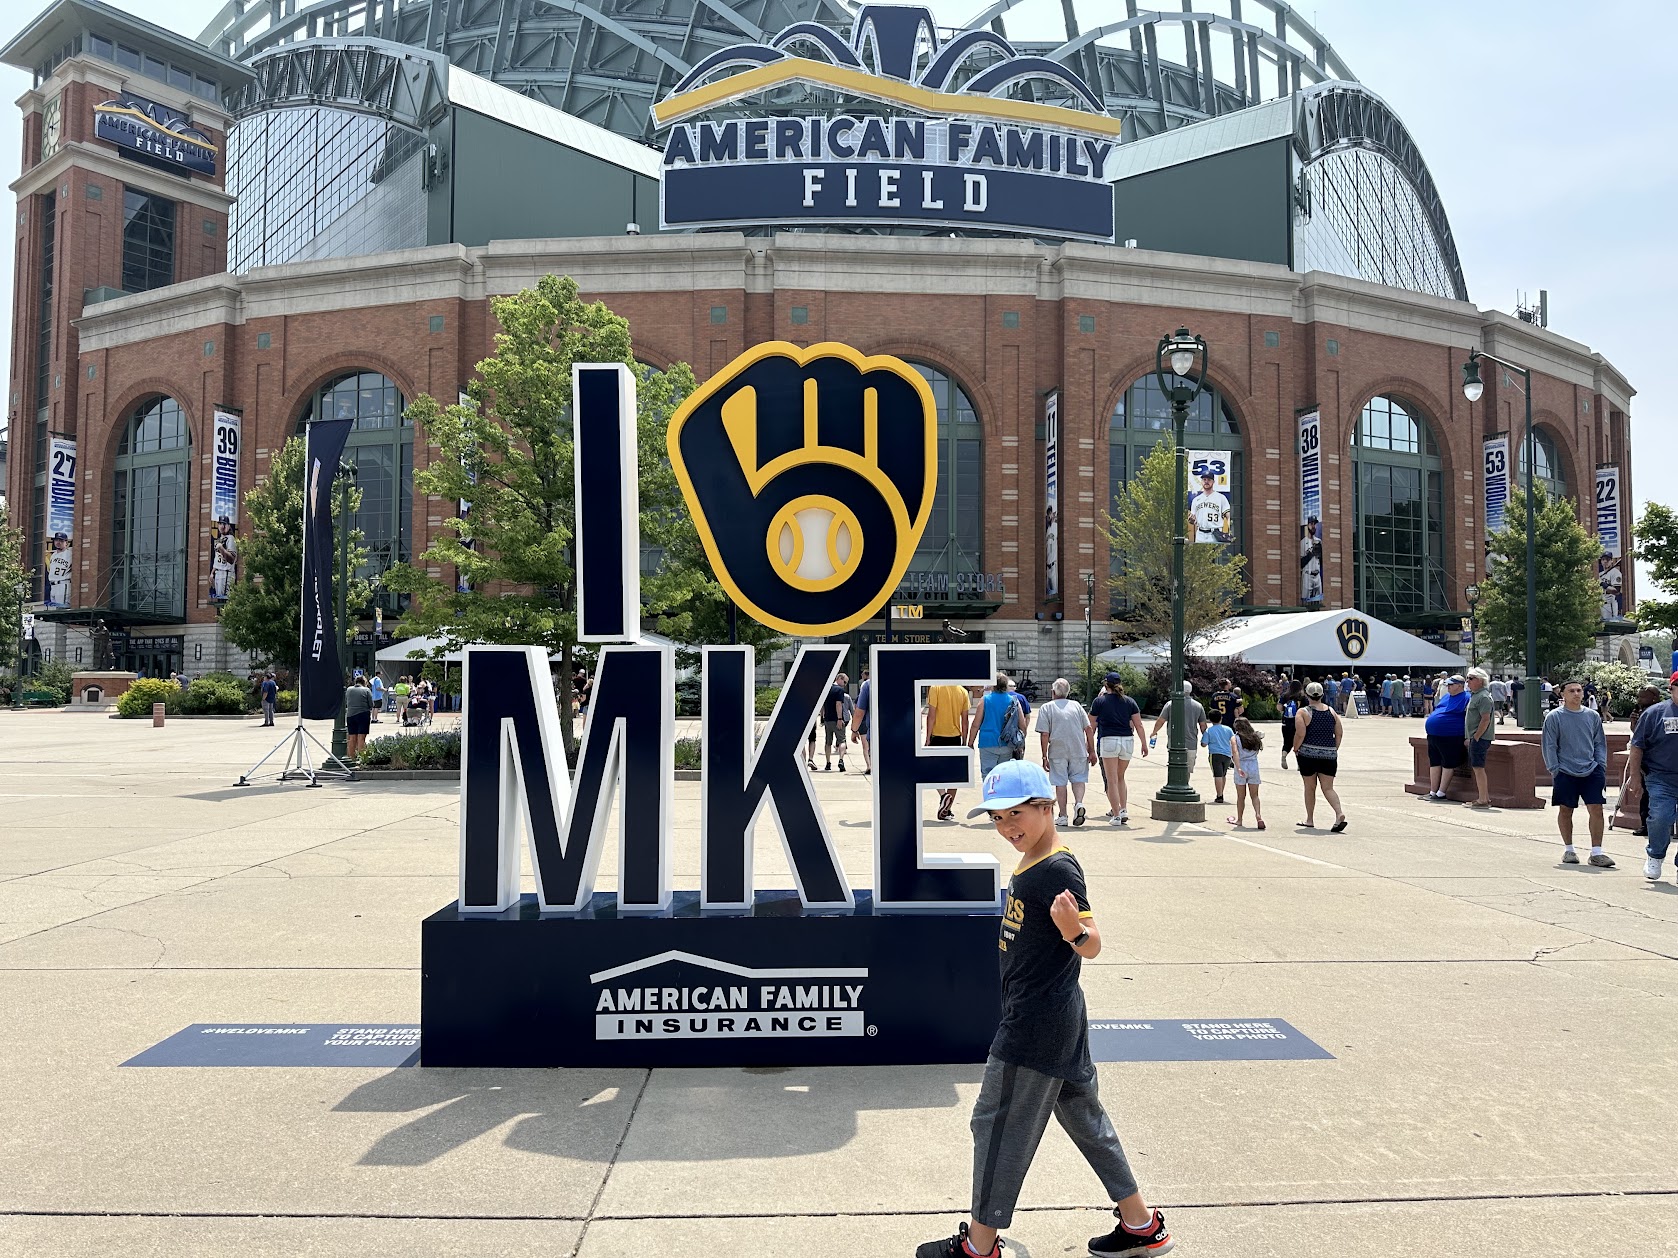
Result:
pixel 1309 639
pixel 420 649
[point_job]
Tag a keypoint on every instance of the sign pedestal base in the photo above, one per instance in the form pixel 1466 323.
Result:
pixel 775 986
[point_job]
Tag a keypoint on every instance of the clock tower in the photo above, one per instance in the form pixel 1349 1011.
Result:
pixel 124 137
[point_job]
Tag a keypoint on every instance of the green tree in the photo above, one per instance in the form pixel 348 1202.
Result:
pixel 1570 599
pixel 1142 531
pixel 1657 545
pixel 263 607
pixel 508 452
pixel 14 590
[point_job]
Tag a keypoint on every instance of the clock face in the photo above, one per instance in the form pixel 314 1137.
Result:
pixel 52 127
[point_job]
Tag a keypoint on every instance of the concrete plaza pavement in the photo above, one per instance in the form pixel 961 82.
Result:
pixel 1503 1030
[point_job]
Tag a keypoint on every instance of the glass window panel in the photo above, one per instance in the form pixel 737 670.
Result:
pixel 380 447
pixel 953 543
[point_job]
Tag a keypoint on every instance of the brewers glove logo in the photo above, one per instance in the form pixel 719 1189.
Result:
pixel 1354 637
pixel 810 475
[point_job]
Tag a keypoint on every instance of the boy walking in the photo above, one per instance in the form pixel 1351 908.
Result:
pixel 1576 754
pixel 1039 1063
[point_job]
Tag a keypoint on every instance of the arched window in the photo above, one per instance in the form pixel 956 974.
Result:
pixel 149 511
pixel 381 448
pixel 1547 471
pixel 1399 544
pixel 953 545
pixel 1142 419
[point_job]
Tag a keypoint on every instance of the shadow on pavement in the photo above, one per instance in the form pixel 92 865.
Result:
pixel 702 1115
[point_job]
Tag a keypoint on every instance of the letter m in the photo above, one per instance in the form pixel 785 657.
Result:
pixel 514 774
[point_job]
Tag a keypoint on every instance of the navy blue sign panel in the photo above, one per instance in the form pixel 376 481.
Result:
pixel 285 1044
pixel 154 133
pixel 780 985
pixel 910 194
pixel 1201 1039
pixel 740 779
pixel 607 484
pixel 888 195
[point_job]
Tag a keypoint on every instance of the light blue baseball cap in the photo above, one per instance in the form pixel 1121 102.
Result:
pixel 1010 784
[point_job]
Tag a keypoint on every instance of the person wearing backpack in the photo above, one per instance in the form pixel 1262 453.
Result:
pixel 999 733
pixel 1118 732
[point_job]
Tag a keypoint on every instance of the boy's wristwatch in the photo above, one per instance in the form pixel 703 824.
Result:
pixel 1080 940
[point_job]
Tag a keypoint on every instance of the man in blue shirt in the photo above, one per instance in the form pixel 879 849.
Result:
pixel 1576 754
pixel 1654 755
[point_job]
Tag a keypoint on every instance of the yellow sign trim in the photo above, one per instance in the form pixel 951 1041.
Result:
pixel 673 109
pixel 155 125
pixel 743 439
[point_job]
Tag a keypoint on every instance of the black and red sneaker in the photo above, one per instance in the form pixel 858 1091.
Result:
pixel 956 1247
pixel 1121 1241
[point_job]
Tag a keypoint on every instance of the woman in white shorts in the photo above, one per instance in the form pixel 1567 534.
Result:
pixel 1118 733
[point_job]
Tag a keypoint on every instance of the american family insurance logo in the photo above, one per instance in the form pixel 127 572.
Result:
pixel 731 1002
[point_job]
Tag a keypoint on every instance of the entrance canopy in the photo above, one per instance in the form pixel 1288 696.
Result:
pixel 1330 639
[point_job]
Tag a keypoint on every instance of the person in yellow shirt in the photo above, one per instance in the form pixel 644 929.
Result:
pixel 946 726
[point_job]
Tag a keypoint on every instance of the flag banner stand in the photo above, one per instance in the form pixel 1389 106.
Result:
pixel 319 684
pixel 297 766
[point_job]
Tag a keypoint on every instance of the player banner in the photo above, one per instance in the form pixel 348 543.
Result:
pixel 320 682
pixel 1311 507
pixel 1209 511
pixel 1609 573
pixel 61 522
pixel 224 504
pixel 1051 495
pixel 1495 461
pixel 462 582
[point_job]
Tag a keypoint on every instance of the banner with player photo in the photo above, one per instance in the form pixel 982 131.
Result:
pixel 1495 462
pixel 320 681
pixel 1209 509
pixel 224 504
pixel 1051 495
pixel 1311 507
pixel 61 522
pixel 1610 573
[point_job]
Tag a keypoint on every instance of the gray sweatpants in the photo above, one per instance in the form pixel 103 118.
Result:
pixel 1009 1119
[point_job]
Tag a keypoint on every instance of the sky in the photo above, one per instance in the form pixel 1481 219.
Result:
pixel 1547 127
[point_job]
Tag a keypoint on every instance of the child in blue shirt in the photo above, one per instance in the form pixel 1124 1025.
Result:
pixel 1218 740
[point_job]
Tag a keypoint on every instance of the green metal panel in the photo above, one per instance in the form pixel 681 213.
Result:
pixel 507 184
pixel 1228 205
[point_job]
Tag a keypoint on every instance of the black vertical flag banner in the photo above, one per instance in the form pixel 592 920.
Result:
pixel 320 681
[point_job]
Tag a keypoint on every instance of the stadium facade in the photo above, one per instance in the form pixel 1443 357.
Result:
pixel 307 210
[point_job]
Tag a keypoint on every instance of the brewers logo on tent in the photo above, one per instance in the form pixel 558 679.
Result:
pixel 1353 634
pixel 810 475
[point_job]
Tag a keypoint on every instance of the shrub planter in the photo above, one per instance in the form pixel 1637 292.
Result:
pixel 367 774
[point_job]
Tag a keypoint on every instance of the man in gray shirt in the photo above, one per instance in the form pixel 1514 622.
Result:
pixel 1576 754
pixel 1196 722
pixel 1477 732
pixel 1068 738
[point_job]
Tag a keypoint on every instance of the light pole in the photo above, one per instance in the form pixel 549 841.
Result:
pixel 1532 693
pixel 1473 593
pixel 1177 800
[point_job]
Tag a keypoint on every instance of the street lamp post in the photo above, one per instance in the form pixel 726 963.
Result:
pixel 1532 693
pixel 1174 366
pixel 1473 593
